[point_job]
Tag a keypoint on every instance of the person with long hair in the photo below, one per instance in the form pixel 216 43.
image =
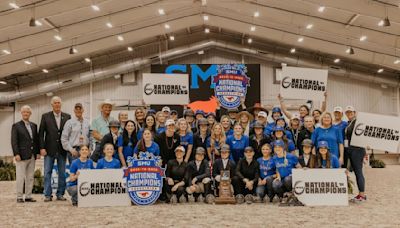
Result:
pixel 237 142
pixel 279 134
pixel 258 139
pixel 150 123
pixel 200 137
pixel 168 141
pixel 127 142
pixel 214 142
pixel 108 162
pixel 211 118
pixel 226 124
pixel 198 175
pixel 279 122
pixel 330 134
pixel 146 144
pixel 245 119
pixel 139 117
pixel 307 159
pixel 316 114
pixel 324 159
pixel 186 137
pixel 267 173
pixel 160 122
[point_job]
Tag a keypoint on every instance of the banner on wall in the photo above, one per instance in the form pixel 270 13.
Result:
pixel 204 94
pixel 303 83
pixel 160 89
pixel 379 132
pixel 321 187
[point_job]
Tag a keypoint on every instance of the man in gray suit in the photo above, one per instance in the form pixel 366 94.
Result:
pixel 25 146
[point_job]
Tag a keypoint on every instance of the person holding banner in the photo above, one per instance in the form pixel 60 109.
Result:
pixel 160 122
pixel 175 176
pixel 355 154
pixel 267 173
pixel 214 142
pixel 111 138
pixel 316 114
pixel 324 159
pixel 237 143
pixel 258 139
pixel 108 162
pixel 78 164
pixel 168 141
pixel 304 110
pixel 329 134
pixel 127 142
pixel 146 144
pixel 226 124
pixel 198 175
pixel 186 137
pixel 150 123
pixel 200 138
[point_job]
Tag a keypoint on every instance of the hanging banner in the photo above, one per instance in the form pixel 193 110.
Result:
pixel 303 83
pixel 321 187
pixel 101 188
pixel 379 132
pixel 159 89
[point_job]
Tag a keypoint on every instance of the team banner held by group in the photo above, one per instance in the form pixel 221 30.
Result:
pixel 162 89
pixel 303 83
pixel 379 132
pixel 321 187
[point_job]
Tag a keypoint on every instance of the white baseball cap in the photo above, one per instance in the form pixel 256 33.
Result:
pixel 166 109
pixel 181 148
pixel 350 108
pixel 338 109
pixel 169 122
pixel 295 116
pixel 262 114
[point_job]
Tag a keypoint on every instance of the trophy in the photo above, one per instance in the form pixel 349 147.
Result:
pixel 225 190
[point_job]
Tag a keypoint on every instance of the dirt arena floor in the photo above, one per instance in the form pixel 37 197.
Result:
pixel 381 210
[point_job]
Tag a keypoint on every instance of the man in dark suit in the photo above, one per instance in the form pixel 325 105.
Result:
pixel 25 145
pixel 51 127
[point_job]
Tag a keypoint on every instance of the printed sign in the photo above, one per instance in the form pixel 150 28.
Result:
pixel 321 187
pixel 144 178
pixel 303 83
pixel 231 84
pixel 102 187
pixel 161 89
pixel 376 131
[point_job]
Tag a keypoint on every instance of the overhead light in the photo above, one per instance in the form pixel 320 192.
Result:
pixel 49 94
pixel 256 14
pixel 3 82
pixel 205 17
pixel 27 62
pixel 72 50
pixel 293 50
pixel 300 39
pixel 309 26
pixel 350 51
pixel 13 5
pixel 95 7
pixel 87 60
pixel 203 2
pixel 336 60
pixel 45 71
pixel 200 52
pixel 7 52
pixel 161 11
pixel 363 38
pixel 166 26
pixel 108 24
pixel 253 28
pixel 58 37
pixel 120 38
pixel 38 23
pixel 321 9
pixel 380 70
pixel 381 23
pixel 172 38
pixel 207 30
pixel 397 61
pixel 249 40
pixel 32 22
pixel 385 22
pixel 130 49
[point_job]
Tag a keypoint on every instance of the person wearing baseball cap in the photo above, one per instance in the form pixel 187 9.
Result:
pixel 201 136
pixel 188 114
pixel 199 114
pixel 324 159
pixel 223 164
pixel 111 137
pixel 211 118
pixel 168 141
pixel 175 176
pixel 166 110
pixel 247 174
pixel 338 122
pixel 198 175
pixel 232 113
pixel 307 159
pixel 258 138
pixel 280 134
pixel 354 154
pixel 294 128
pixel 262 117
pixel 284 163
pixel 174 115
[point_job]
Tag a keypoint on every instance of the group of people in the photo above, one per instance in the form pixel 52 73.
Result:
pixel 257 147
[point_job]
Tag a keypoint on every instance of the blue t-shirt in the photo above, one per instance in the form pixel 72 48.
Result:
pixel 104 164
pixel 335 164
pixel 154 149
pixel 160 129
pixel 237 147
pixel 283 169
pixel 76 165
pixel 267 167
pixel 217 145
pixel 341 126
pixel 332 135
pixel 269 131
pixel 126 150
pixel 290 146
pixel 187 140
pixel 139 135
pixel 229 132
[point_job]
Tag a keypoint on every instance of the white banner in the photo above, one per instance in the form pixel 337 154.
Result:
pixel 102 187
pixel 379 132
pixel 164 89
pixel 321 187
pixel 303 83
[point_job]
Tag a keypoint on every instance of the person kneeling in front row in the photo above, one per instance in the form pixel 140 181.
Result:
pixel 198 176
pixel 324 158
pixel 82 163
pixel 176 169
pixel 267 174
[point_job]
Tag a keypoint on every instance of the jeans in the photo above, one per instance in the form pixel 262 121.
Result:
pixel 266 189
pixel 356 156
pixel 282 186
pixel 73 192
pixel 24 171
pixel 48 170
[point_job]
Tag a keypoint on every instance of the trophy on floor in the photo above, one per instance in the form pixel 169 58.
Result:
pixel 225 189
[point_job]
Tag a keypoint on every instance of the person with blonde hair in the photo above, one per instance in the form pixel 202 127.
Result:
pixel 160 122
pixel 186 137
pixel 214 142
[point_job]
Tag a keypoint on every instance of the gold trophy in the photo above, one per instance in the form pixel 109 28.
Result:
pixel 225 190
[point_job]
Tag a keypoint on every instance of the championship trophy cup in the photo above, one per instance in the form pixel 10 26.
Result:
pixel 225 190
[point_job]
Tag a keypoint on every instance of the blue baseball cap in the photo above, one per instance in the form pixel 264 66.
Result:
pixel 276 109
pixel 199 112
pixel 151 112
pixel 279 128
pixel 279 143
pixel 323 144
pixel 211 114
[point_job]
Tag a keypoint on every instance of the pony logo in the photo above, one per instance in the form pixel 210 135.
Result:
pixel 206 106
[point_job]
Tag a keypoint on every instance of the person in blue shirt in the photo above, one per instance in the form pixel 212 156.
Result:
pixel 237 143
pixel 211 118
pixel 215 141
pixel 280 122
pixel 186 137
pixel 329 134
pixel 146 144
pixel 160 122
pixel 275 114
pixel 82 163
pixel 126 142
pixel 284 163
pixel 226 124
pixel 150 123
pixel 324 159
pixel 267 173
pixel 280 134
pixel 108 162
pixel 338 122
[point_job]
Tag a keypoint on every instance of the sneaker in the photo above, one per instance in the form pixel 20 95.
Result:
pixel 266 199
pixel 359 198
pixel 48 199
pixel 200 199
pixel 173 200
pixel 182 199
pixel 248 199
pixel 20 200
pixel 239 198
pixel 61 198
pixel 210 199
pixel 191 198
pixel 74 204
pixel 276 199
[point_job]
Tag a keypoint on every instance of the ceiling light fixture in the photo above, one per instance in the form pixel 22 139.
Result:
pixel 321 9
pixel 207 30
pixel 108 24
pixel 397 61
pixel 205 17
pixel 58 37
pixel 130 49
pixel 88 60
pixel 171 38
pixel 32 22
pixel 293 50
pixel 95 7
pixel 72 50
pixel 336 60
pixel 166 26
pixel 256 14
pixel 38 23
pixel 45 71
pixel 161 11
pixel 380 70
pixel 7 52
pixel 249 40
pixel 253 28
pixel 300 39
pixel 363 38
pixel 27 62
pixel 350 51
pixel 13 5
pixel 309 26
pixel 120 38
pixel 3 82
